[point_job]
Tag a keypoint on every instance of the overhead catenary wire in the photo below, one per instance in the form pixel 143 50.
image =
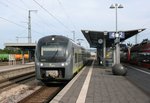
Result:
pixel 52 15
pixel 24 17
pixel 10 7
pixel 47 25
pixel 24 3
pixel 13 23
pixel 17 24
pixel 12 3
pixel 68 17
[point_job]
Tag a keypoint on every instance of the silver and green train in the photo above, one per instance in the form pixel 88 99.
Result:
pixel 58 58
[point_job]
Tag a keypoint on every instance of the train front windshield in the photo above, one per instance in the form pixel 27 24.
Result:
pixel 53 52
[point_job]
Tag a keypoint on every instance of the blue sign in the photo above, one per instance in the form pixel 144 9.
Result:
pixel 113 36
pixel 122 35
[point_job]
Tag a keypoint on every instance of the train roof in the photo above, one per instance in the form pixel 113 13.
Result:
pixel 143 46
pixel 59 38
pixel 49 37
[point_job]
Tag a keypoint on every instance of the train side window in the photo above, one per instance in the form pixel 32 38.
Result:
pixel 76 57
pixel 73 52
pixel 148 57
pixel 80 57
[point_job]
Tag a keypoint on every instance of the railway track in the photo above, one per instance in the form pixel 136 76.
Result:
pixel 140 77
pixel 135 66
pixel 43 95
pixel 11 82
pixel 3 63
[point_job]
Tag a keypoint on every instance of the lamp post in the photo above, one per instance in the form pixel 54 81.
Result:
pixel 117 69
pixel 117 36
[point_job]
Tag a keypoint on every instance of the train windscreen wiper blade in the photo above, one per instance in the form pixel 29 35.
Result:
pixel 54 54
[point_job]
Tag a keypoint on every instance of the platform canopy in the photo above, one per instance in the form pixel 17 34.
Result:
pixel 94 36
pixel 25 46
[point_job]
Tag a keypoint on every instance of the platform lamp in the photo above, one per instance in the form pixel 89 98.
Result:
pixel 117 69
pixel 117 36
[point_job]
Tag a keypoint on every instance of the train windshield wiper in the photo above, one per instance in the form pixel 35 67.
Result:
pixel 54 54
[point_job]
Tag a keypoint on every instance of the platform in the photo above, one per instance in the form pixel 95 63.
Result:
pixel 15 67
pixel 95 84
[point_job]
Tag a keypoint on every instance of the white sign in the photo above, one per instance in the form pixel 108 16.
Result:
pixel 100 41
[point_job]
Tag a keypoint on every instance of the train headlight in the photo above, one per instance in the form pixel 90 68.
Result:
pixel 101 62
pixel 62 64
pixel 41 64
pixel 66 64
pixel 38 63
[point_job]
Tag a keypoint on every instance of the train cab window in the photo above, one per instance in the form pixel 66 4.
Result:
pixel 53 51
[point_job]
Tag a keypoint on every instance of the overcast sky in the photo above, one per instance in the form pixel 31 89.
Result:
pixel 61 17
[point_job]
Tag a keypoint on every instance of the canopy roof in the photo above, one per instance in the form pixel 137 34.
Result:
pixel 27 46
pixel 93 36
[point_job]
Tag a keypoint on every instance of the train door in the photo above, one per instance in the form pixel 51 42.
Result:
pixel 73 59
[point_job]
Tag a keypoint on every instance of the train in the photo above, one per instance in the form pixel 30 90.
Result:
pixel 58 58
pixel 5 57
pixel 138 54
